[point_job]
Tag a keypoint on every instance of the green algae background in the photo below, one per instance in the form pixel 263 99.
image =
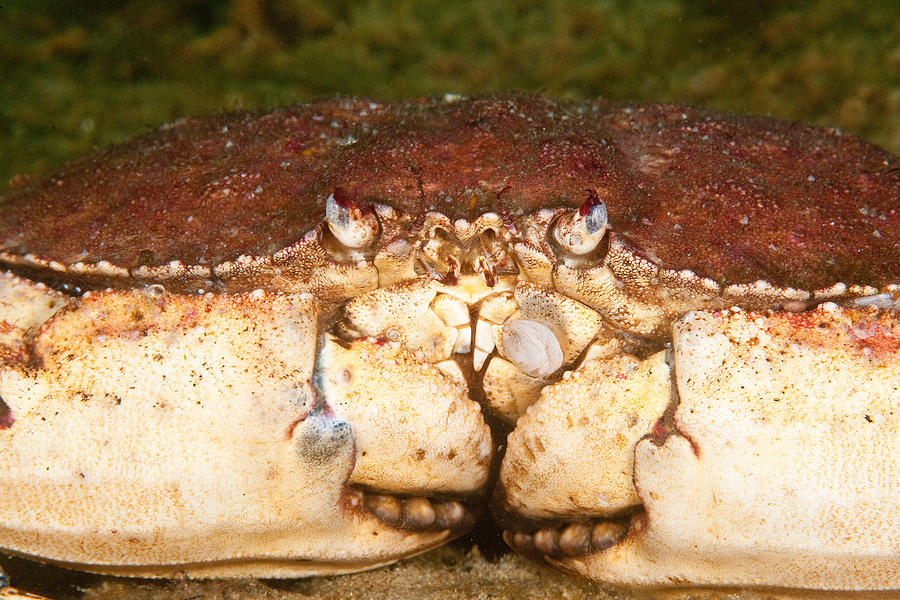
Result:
pixel 76 75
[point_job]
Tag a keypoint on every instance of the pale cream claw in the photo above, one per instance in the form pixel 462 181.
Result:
pixel 571 455
pixel 220 435
pixel 780 464
pixel 416 430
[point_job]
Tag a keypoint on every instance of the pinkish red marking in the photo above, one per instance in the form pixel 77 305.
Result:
pixel 664 428
pixel 593 200
pixel 342 199
pixel 295 145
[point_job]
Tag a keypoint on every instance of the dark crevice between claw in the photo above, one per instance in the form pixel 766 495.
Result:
pixel 50 580
pixel 63 283
pixel 666 426
pixel 74 285
pixel 488 536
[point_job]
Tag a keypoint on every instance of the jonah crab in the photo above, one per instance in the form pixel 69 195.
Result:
pixel 270 344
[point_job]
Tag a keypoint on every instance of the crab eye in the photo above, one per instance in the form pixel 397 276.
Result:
pixel 581 231
pixel 354 226
pixel 532 346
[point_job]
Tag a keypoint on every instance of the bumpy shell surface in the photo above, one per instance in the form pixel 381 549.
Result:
pixel 734 199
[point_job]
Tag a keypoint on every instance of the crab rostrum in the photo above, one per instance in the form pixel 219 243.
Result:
pixel 269 344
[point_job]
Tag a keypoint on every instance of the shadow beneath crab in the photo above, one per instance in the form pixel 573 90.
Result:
pixel 48 580
pixel 457 570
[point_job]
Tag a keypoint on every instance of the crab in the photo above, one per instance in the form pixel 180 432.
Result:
pixel 271 344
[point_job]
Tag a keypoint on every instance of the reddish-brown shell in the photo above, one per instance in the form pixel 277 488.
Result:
pixel 736 199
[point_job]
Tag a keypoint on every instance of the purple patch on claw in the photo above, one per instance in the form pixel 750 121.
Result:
pixel 6 418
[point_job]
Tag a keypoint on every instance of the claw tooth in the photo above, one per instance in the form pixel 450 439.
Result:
pixel 532 346
pixel 581 231
pixel 607 534
pixel 547 541
pixel 386 508
pixel 521 541
pixel 575 539
pixel 418 513
pixel 449 514
pixel 352 225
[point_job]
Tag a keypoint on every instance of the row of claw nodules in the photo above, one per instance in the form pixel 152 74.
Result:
pixel 575 539
pixel 578 232
pixel 417 513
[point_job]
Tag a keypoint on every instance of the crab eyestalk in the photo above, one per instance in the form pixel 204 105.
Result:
pixel 581 231
pixel 532 346
pixel 353 225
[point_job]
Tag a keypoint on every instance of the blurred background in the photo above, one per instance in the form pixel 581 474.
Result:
pixel 76 75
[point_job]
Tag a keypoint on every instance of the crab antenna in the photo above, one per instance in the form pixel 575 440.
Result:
pixel 581 231
pixel 354 226
pixel 532 346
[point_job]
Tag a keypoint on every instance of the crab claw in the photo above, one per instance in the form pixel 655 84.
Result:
pixel 786 480
pixel 581 231
pixel 416 431
pixel 213 422
pixel 353 225
pixel 580 437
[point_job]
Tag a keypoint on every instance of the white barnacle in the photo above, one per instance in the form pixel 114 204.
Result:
pixel 351 224
pixel 580 231
pixel 878 300
pixel 532 346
